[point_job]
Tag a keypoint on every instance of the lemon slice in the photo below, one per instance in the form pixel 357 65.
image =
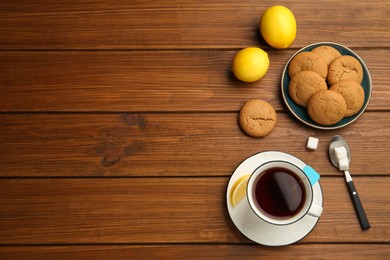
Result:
pixel 238 191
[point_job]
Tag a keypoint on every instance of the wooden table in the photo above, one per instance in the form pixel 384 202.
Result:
pixel 118 128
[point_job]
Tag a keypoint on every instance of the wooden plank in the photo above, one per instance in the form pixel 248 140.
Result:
pixel 187 144
pixel 184 24
pixel 165 210
pixel 150 81
pixel 179 251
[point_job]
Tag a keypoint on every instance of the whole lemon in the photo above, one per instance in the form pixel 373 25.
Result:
pixel 250 64
pixel 278 26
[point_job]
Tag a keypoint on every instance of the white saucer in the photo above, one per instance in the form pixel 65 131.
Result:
pixel 256 229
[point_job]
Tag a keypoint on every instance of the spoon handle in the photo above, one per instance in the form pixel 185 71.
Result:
pixel 364 224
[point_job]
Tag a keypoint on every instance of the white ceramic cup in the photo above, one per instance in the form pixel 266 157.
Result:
pixel 307 176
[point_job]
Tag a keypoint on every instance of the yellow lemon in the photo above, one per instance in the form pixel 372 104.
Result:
pixel 278 26
pixel 250 64
pixel 239 190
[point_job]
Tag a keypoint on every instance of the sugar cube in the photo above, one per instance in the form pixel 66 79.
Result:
pixel 340 152
pixel 344 164
pixel 312 143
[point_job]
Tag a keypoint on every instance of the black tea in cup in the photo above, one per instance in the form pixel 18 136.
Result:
pixel 280 192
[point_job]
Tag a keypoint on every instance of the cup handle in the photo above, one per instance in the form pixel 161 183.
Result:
pixel 315 210
pixel 311 174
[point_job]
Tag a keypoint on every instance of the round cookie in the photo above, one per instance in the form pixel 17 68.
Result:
pixel 307 61
pixel 303 85
pixel 327 53
pixel 345 68
pixel 353 94
pixel 257 118
pixel 326 107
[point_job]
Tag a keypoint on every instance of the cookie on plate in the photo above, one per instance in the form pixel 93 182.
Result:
pixel 345 68
pixel 303 85
pixel 257 118
pixel 326 107
pixel 353 94
pixel 307 60
pixel 327 53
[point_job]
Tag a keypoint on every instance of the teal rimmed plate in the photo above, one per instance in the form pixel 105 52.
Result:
pixel 301 113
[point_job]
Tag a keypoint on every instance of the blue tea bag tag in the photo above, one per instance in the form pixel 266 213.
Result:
pixel 311 174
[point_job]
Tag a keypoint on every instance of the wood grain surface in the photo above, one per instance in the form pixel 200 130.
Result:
pixel 118 128
pixel 179 251
pixel 184 24
pixel 198 80
pixel 173 210
pixel 183 144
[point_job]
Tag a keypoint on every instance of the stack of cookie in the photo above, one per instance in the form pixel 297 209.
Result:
pixel 327 83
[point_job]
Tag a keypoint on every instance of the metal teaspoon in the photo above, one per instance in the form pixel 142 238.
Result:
pixel 338 141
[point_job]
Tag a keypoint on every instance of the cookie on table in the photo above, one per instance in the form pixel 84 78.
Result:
pixel 345 68
pixel 353 94
pixel 257 118
pixel 326 107
pixel 310 61
pixel 327 53
pixel 303 85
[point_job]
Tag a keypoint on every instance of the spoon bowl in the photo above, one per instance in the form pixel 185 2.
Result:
pixel 335 142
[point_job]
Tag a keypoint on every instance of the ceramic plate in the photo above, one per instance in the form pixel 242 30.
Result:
pixel 253 227
pixel 301 113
